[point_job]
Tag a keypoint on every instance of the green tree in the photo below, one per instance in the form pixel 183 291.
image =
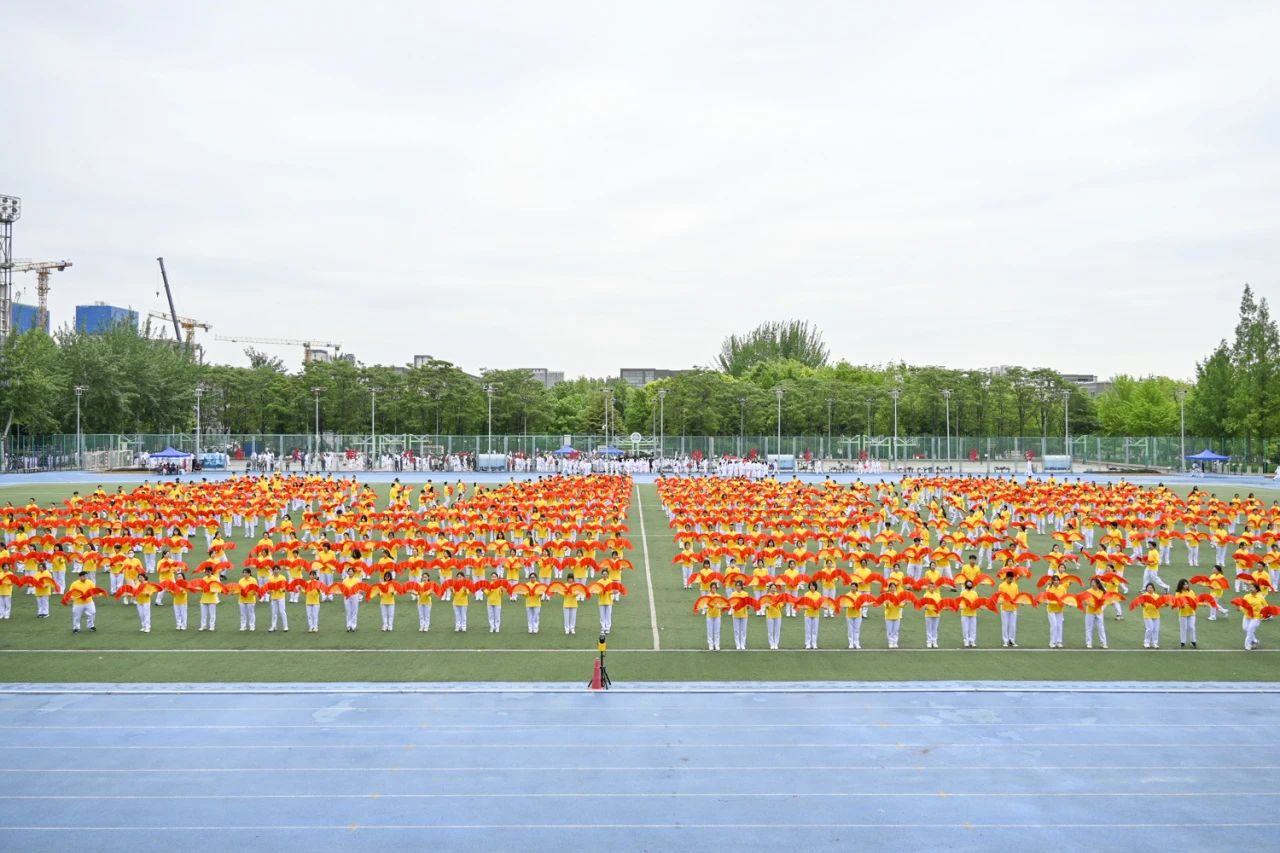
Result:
pixel 792 340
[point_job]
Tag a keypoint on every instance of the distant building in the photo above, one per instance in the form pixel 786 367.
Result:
pixel 100 317
pixel 548 378
pixel 25 316
pixel 638 377
pixel 422 360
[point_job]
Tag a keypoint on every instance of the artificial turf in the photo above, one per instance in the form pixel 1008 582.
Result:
pixel 44 650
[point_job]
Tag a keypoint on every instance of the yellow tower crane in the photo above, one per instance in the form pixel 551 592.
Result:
pixel 188 325
pixel 312 350
pixel 42 270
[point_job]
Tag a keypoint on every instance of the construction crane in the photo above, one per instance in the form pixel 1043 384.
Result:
pixel 188 325
pixel 311 350
pixel 42 270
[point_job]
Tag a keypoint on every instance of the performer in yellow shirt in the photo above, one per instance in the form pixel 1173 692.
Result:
pixel 571 600
pixel 1009 611
pixel 180 593
pixel 386 592
pixel 45 585
pixel 208 603
pixel 424 601
pixel 772 615
pixel 931 602
pixel 313 593
pixel 279 583
pixel 493 602
pixel 248 601
pixel 1094 600
pixel 738 617
pixel 82 606
pixel 1255 600
pixel 969 603
pixel 1151 575
pixel 714 611
pixel 6 590
pixel 811 602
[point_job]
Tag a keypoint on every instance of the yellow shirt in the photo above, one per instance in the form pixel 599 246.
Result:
pixel 967 599
pixel 1059 589
pixel 1009 588
pixel 278 594
pixel 44 582
pixel 79 587
pixel 493 597
pixel 932 601
pixel 208 597
pixel 247 595
pixel 812 608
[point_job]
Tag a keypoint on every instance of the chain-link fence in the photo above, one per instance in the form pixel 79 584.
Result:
pixel 102 451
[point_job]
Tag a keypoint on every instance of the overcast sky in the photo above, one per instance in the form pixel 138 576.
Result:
pixel 585 186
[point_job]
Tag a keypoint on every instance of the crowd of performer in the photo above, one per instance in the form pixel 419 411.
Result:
pixel 559 541
pixel 936 546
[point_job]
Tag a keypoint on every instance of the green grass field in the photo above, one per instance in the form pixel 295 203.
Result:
pixel 45 650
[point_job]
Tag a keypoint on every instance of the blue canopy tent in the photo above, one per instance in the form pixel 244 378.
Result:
pixel 170 453
pixel 611 451
pixel 1208 456
pixel 565 451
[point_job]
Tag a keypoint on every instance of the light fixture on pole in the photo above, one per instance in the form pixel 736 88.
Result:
pixel 778 392
pixel 199 394
pixel 373 423
pixel 488 390
pixel 830 402
pixel 946 397
pixel 895 394
pixel 1066 420
pixel 662 422
pixel 742 425
pixel 1181 394
pixel 315 453
pixel 79 389
pixel 608 412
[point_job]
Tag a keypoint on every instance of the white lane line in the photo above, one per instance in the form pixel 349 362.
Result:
pixel 664 795
pixel 524 747
pixel 726 655
pixel 697 726
pixel 799 768
pixel 593 827
pixel 648 573
pixel 457 709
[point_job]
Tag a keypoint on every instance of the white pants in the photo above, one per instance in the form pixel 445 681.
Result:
pixel 1009 626
pixel 459 618
pixel 495 617
pixel 1193 555
pixel 1151 632
pixel 6 606
pixel 533 616
pixel 713 632
pixel 773 630
pixel 424 617
pixel 248 617
pixel 1151 576
pixel 352 606
pixel 891 628
pixel 571 620
pixel 1056 622
pixel 811 624
pixel 1095 624
pixel 313 617
pixel 278 614
pixel 87 611
pixel 854 625
pixel 969 630
pixel 931 629
pixel 208 616
pixel 1187 629
pixel 740 632
pixel 144 616
pixel 1251 633
pixel 42 605
pixel 606 618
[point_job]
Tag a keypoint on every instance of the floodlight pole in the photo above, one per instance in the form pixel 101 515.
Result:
pixel 315 456
pixel 742 425
pixel 778 392
pixel 199 394
pixel 608 412
pixel 1182 423
pixel 1066 420
pixel 488 390
pixel 79 389
pixel 830 401
pixel 895 394
pixel 373 424
pixel 946 397
pixel 662 422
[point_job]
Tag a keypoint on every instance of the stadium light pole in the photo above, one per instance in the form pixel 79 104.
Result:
pixel 1181 394
pixel 946 397
pixel 488 390
pixel 79 389
pixel 373 423
pixel 895 394
pixel 608 410
pixel 830 402
pixel 199 394
pixel 742 425
pixel 1066 420
pixel 662 422
pixel 316 450
pixel 778 392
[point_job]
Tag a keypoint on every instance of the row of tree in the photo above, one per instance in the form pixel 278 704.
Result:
pixel 133 381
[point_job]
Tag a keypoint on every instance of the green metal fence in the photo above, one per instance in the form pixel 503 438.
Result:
pixel 59 451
